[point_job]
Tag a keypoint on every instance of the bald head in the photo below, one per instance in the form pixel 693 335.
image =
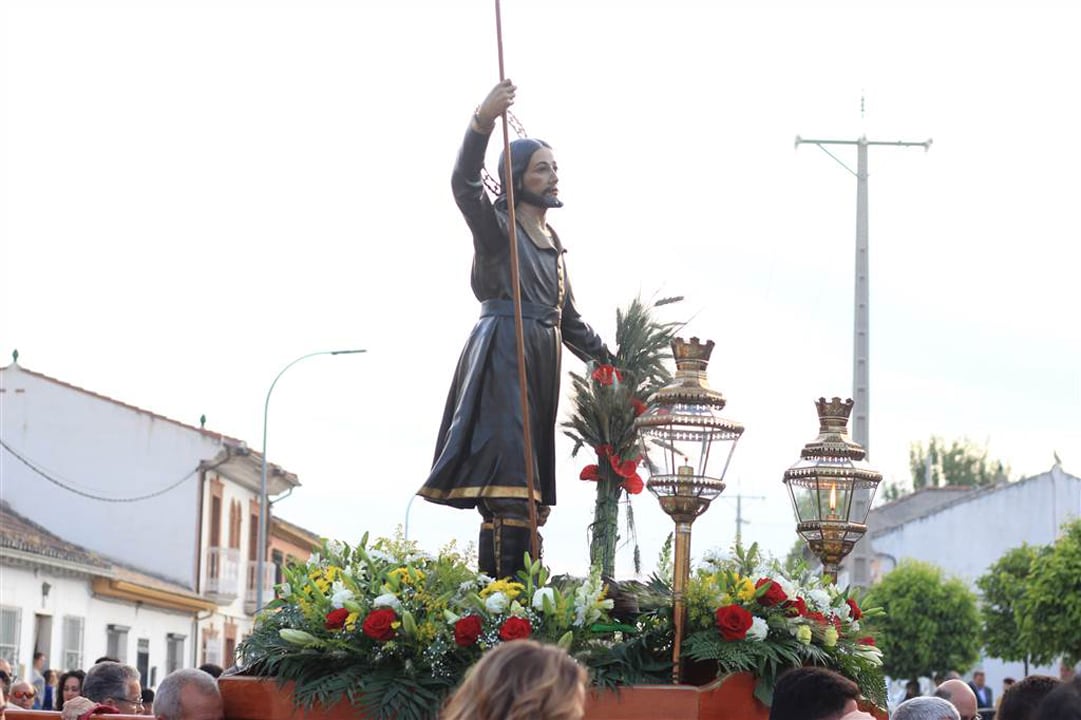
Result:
pixel 960 694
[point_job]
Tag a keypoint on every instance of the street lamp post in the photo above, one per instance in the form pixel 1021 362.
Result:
pixel 260 566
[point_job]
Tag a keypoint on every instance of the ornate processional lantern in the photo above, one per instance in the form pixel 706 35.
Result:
pixel 687 446
pixel 830 474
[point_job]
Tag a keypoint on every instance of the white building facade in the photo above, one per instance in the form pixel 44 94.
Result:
pixel 170 505
pixel 971 530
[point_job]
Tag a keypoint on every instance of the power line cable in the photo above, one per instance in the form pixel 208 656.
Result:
pixel 91 496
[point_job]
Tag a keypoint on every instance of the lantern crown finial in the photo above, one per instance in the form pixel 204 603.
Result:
pixel 833 414
pixel 693 351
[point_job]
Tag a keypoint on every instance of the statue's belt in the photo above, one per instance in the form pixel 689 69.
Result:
pixel 544 314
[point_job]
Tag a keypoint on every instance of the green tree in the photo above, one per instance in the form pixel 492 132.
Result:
pixel 1003 588
pixel 962 463
pixel 1051 606
pixel 931 623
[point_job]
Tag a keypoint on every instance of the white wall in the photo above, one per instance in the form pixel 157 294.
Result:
pixel 965 538
pixel 70 594
pixel 106 449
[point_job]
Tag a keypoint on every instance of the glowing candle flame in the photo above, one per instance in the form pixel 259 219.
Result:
pixel 833 499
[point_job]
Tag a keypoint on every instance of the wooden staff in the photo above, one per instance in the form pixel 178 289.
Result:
pixel 519 335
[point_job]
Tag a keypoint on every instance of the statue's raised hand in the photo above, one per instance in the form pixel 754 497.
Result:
pixel 499 99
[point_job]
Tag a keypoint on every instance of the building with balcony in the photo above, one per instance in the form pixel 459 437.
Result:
pixel 169 502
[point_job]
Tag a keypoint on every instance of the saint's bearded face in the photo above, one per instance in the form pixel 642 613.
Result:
pixel 540 181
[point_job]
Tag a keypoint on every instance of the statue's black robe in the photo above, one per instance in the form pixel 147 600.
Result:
pixel 480 451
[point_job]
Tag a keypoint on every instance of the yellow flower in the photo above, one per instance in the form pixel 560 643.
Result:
pixel 351 621
pixel 406 575
pixel 323 579
pixel 745 590
pixel 508 587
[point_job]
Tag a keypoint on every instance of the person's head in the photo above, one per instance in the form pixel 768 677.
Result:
pixel 534 173
pixel 211 669
pixel 188 694
pixel 5 667
pixel 148 701
pixel 71 687
pixel 23 694
pixel 813 693
pixel 978 678
pixel 105 658
pixel 912 689
pixel 39 661
pixel 1007 683
pixel 1020 701
pixel 112 683
pixel 960 694
pixel 521 680
pixel 50 676
pixel 1062 703
pixel 926 708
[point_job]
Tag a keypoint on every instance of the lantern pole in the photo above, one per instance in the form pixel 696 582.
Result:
pixel 683 418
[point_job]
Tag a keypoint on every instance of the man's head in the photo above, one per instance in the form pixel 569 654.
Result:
pixel 39 661
pixel 813 693
pixel 111 683
pixel 1021 699
pixel 926 708
pixel 978 679
pixel 1062 703
pixel 188 694
pixel 533 170
pixel 960 694
pixel 148 701
pixel 23 694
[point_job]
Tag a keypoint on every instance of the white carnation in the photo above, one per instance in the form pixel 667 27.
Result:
pixel 496 603
pixel 389 600
pixel 335 547
pixel 339 594
pixel 758 630
pixel 820 599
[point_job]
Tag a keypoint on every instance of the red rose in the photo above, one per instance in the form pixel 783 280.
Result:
pixel 733 622
pixel 633 484
pixel 335 619
pixel 816 616
pixel 605 450
pixel 774 595
pixel 866 641
pixel 638 405
pixel 515 628
pixel 467 630
pixel 607 374
pixel 796 608
pixel 378 624
pixel 590 472
pixel 856 612
pixel 623 468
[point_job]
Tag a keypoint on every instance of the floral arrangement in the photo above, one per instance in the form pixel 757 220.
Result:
pixel 606 402
pixel 394 629
pixel 751 615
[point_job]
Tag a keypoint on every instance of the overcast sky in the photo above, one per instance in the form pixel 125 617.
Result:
pixel 196 193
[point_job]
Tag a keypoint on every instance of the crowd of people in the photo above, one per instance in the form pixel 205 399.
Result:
pixel 112 687
pixel 526 680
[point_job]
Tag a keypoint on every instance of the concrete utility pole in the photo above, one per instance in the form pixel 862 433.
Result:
pixel 740 522
pixel 861 391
